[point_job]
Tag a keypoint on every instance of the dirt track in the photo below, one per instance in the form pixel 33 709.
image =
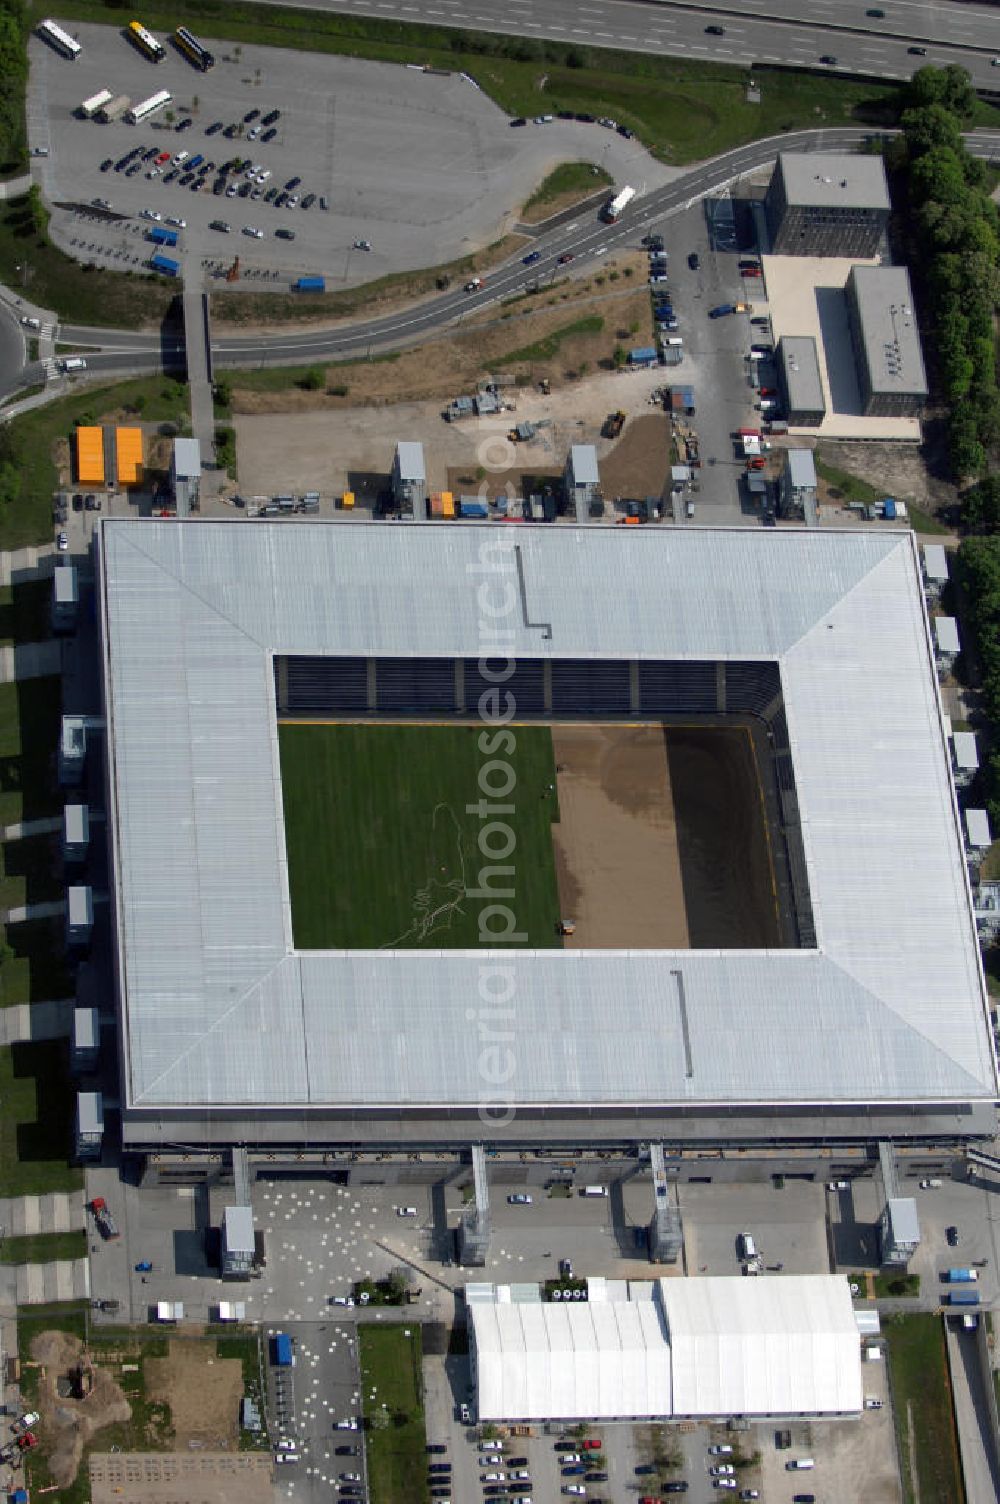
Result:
pixel 616 841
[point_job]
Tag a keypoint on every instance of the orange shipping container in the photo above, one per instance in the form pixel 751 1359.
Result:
pixel 128 446
pixel 90 456
pixel 447 504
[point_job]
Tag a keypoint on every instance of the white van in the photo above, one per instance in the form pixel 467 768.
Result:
pixel 672 339
pixel 73 363
pixel 406 1211
pixel 799 1465
pixel 594 1190
pixel 748 1248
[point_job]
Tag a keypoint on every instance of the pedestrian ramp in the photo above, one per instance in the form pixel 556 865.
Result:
pixel 47 1284
pixel 58 1211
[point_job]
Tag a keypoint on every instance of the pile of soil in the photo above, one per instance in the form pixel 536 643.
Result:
pixel 67 1424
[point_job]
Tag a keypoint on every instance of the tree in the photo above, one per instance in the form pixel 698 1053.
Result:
pixel 314 379
pixel 967 454
pixel 931 127
pixel 981 505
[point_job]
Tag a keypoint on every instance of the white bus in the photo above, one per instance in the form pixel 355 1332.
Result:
pixel 148 107
pixel 615 207
pixel 59 39
pixel 90 107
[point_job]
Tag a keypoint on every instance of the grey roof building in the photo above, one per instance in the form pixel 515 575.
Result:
pixel 800 380
pixel 827 204
pixel 230 1035
pixel 887 353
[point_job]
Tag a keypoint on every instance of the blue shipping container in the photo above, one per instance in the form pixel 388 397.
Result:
pixel 645 355
pixel 963 1297
pixel 282 1350
pixel 961 1276
pixel 473 509
pixel 165 265
pixel 162 236
pixel 310 284
pixel 889 507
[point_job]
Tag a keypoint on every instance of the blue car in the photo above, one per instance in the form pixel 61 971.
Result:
pixel 531 258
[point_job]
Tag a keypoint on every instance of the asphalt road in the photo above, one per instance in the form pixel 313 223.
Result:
pixel 584 236
pixel 797 32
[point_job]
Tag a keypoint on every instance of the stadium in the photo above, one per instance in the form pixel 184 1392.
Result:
pixel 662 820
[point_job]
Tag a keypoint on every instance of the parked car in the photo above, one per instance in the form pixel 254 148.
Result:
pixel 694 261
pixel 951 1234
pixel 62 543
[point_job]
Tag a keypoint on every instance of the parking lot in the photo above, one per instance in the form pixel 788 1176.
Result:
pixel 423 167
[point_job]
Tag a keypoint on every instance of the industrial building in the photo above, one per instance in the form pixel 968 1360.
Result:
pixel 185 475
pixel 230 1035
pixel 800 381
pixel 886 342
pixel 797 486
pixel 827 204
pixel 682 1349
pixel 582 480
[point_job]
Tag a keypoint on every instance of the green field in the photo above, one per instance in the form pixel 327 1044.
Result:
pixel 922 1404
pixel 394 1413
pixel 381 852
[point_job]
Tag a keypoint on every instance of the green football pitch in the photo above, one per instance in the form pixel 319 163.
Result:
pixel 382 851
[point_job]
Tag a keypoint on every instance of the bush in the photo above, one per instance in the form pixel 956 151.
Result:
pixel 314 379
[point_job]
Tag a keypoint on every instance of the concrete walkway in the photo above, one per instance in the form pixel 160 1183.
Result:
pixel 45 1284
pixel 16 187
pixel 23 830
pixel 57 1211
pixel 22 563
pixel 27 912
pixel 30 660
pixel 27 1023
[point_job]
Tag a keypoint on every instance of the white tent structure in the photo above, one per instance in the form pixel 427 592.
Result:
pixel 679 1347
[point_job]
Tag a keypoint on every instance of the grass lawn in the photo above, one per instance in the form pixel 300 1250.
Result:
pixel 895 1286
pixel 43 1248
pixel 54 280
pixel 36 1120
pixel 853 488
pixel 549 347
pixel 564 186
pixel 397 1461
pixel 684 111
pixel 380 851
pixel 28 518
pixel 925 1421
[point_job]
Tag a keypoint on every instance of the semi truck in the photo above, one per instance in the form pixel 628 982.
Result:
pixel 309 284
pixel 961 1276
pixel 114 109
pixel 159 235
pixel 615 207
pixel 963 1297
pixel 164 265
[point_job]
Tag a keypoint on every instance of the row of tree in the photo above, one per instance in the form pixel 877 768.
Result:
pixel 979 577
pixel 954 229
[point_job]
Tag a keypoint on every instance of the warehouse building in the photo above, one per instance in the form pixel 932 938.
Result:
pixel 823 637
pixel 800 381
pixel 680 1349
pixel 886 342
pixel 827 204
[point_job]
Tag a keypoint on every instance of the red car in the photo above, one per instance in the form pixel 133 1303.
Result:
pixel 566 256
pixel 164 156
pixel 648 1499
pixel 756 463
pixel 590 1446
pixel 750 271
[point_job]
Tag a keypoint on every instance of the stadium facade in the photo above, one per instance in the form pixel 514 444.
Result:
pixel 872 1022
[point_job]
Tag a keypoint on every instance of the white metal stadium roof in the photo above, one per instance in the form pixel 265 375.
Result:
pixel 220 1010
pixel 699 1347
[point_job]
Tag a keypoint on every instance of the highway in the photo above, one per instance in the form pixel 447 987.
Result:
pixel 580 234
pixel 795 32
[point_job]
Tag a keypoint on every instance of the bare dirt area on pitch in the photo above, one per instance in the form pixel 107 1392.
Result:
pixel 202 1390
pixel 617 859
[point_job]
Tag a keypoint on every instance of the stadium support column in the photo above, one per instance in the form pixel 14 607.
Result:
pixel 665 1239
pixel 547 684
pixel 372 684
pixel 282 685
pixel 720 688
pixel 475 1229
pixel 634 691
